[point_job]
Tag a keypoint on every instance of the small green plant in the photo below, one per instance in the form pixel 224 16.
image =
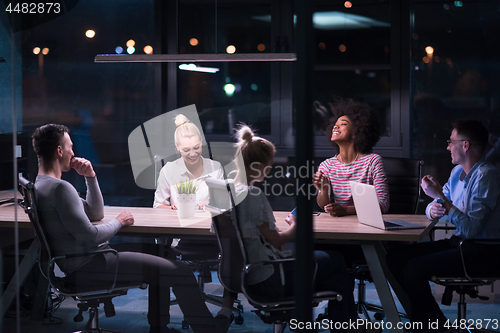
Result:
pixel 187 187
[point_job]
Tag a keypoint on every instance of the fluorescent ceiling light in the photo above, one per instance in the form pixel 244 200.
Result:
pixel 187 58
pixel 194 68
pixel 336 20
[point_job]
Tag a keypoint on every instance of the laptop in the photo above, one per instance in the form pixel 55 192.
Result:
pixel 368 209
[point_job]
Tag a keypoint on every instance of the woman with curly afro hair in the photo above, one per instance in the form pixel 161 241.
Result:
pixel 354 131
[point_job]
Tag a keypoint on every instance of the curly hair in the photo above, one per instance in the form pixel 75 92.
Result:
pixel 365 124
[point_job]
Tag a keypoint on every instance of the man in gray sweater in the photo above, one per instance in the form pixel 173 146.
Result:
pixel 67 221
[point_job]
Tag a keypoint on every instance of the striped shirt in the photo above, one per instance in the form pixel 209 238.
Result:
pixel 368 169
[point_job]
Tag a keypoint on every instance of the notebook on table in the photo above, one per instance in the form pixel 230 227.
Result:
pixel 368 209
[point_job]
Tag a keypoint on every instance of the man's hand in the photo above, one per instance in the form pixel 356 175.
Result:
pixel 125 218
pixel 437 210
pixel 335 209
pixel 82 166
pixel 431 187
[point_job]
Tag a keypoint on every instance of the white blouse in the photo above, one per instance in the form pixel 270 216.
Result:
pixel 175 172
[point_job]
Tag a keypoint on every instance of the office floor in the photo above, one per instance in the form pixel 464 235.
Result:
pixel 131 311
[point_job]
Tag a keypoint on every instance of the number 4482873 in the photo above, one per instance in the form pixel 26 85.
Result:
pixel 34 8
pixel 472 323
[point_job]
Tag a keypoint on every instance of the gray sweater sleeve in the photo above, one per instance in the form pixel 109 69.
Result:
pixel 93 203
pixel 73 214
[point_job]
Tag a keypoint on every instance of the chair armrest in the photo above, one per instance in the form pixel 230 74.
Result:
pixel 76 255
pixel 493 242
pixel 277 261
pixel 248 267
pixel 214 210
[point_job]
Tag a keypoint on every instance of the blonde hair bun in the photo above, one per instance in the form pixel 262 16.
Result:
pixel 180 120
pixel 244 134
pixel 253 149
pixel 185 128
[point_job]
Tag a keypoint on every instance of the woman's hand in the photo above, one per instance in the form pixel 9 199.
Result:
pixel 202 205
pixel 320 182
pixel 291 220
pixel 174 206
pixel 335 209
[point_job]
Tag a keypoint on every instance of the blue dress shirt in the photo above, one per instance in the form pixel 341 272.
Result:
pixel 476 201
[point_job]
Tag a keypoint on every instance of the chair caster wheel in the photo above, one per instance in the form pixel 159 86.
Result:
pixel 379 316
pixel 185 324
pixel 239 320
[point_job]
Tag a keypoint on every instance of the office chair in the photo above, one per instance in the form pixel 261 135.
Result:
pixel 234 267
pixel 89 298
pixel 403 178
pixel 468 283
pixel 203 256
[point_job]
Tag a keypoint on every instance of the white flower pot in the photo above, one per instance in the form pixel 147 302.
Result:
pixel 186 206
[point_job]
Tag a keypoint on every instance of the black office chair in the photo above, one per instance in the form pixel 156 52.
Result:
pixel 403 178
pixel 234 267
pixel 468 283
pixel 89 298
pixel 203 256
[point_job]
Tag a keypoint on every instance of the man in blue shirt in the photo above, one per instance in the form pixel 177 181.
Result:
pixel 471 201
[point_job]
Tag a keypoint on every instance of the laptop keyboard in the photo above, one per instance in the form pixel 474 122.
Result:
pixel 391 225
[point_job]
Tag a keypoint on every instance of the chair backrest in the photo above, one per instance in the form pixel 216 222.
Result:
pixel 403 177
pixel 27 190
pixel 233 257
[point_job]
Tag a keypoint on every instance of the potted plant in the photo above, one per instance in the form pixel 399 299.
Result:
pixel 186 205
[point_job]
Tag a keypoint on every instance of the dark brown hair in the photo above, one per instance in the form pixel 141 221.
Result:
pixel 46 139
pixel 474 131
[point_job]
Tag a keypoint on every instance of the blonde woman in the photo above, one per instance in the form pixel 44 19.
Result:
pixel 190 166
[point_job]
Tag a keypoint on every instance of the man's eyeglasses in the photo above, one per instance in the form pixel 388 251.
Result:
pixel 453 141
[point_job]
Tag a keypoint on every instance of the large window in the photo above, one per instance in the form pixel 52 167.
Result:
pixel 455 74
pixel 353 60
pixel 239 91
pixel 359 52
pixel 100 103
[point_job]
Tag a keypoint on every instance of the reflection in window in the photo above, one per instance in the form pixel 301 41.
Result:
pixel 352 53
pixel 455 74
pixel 368 86
pixel 238 92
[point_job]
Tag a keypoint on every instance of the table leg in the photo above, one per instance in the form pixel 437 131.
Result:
pixel 22 272
pixel 373 252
